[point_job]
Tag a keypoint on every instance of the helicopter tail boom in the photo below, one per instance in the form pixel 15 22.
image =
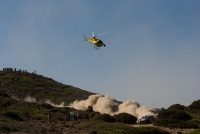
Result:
pixel 86 39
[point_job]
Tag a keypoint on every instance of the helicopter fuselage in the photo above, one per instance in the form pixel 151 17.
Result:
pixel 97 42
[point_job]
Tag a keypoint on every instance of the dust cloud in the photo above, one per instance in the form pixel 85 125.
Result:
pixel 105 104
pixel 30 99
pixel 47 101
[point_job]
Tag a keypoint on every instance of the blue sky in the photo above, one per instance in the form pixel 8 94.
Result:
pixel 151 54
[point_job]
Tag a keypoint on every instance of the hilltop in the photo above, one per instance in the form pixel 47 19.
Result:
pixel 20 84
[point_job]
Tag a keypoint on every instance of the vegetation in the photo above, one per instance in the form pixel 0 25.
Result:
pixel 106 118
pixel 179 116
pixel 23 84
pixel 20 116
pixel 118 128
pixel 125 118
pixel 174 114
pixel 90 109
pixel 194 106
pixel 16 115
pixel 177 107
pixel 195 132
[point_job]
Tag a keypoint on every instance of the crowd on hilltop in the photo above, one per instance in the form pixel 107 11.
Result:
pixel 20 71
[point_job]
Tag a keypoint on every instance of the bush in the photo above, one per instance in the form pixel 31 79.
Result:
pixel 175 119
pixel 195 105
pixel 177 107
pixel 106 118
pixel 4 128
pixel 89 109
pixel 125 118
pixel 47 106
pixel 39 117
pixel 5 102
pixel 164 122
pixel 195 122
pixel 174 114
pixel 195 131
pixel 119 128
pixel 13 127
pixel 3 93
pixel 13 115
pixel 147 130
pixel 175 123
pixel 93 114
pixel 182 124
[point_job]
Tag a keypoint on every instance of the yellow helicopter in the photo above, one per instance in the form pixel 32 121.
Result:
pixel 96 42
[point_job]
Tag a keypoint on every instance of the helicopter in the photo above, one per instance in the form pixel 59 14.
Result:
pixel 96 42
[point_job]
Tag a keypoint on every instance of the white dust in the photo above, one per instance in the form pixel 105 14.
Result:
pixel 107 105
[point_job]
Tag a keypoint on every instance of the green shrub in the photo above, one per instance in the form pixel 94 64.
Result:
pixel 5 102
pixel 89 109
pixel 164 121
pixel 119 128
pixel 125 118
pixel 106 118
pixel 13 115
pixel 147 130
pixel 47 106
pixel 182 124
pixel 3 93
pixel 13 127
pixel 174 118
pixel 4 128
pixel 177 107
pixel 174 114
pixel 93 115
pixel 195 122
pixel 57 117
pixel 172 123
pixel 39 117
pixel 195 131
pixel 195 105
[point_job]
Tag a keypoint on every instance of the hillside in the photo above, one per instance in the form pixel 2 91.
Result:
pixel 16 115
pixel 20 84
pixel 33 118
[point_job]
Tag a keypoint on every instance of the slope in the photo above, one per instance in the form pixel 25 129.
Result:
pixel 20 84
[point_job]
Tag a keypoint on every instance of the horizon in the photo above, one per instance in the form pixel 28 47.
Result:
pixel 151 54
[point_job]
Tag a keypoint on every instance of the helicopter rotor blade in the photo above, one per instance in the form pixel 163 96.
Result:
pixel 102 34
pixel 93 34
